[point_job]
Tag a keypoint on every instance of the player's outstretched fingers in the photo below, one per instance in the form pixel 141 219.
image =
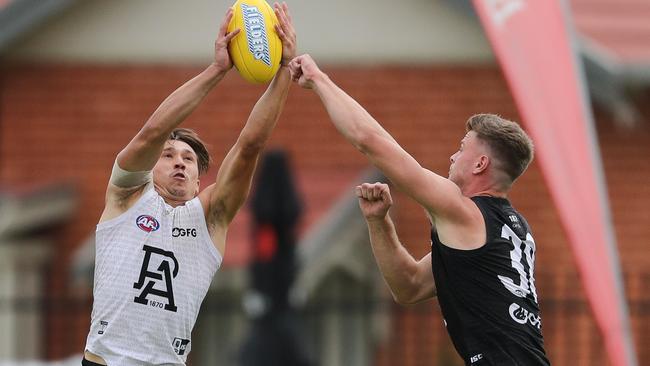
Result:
pixel 223 28
pixel 287 34
pixel 285 7
pixel 232 35
pixel 283 20
pixel 278 29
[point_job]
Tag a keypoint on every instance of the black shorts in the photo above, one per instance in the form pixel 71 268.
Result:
pixel 85 362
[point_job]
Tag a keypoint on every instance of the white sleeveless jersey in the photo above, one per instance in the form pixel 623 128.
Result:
pixel 153 267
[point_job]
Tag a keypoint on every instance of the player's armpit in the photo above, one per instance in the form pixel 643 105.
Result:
pixel 125 187
pixel 119 200
pixel 123 190
pixel 216 220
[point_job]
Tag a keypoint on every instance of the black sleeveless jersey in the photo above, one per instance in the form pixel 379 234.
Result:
pixel 487 295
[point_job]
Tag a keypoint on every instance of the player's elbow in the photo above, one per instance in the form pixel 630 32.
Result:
pixel 416 292
pixel 250 147
pixel 364 141
pixel 402 300
pixel 152 133
pixel 406 297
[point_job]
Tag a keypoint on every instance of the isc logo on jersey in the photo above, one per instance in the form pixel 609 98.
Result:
pixel 147 223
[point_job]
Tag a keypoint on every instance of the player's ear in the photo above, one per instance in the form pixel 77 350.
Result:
pixel 198 186
pixel 481 164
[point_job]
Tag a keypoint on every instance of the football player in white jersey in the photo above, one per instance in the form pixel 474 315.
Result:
pixel 170 160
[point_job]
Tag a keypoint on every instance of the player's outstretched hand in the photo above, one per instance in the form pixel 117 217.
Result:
pixel 221 56
pixel 285 31
pixel 374 200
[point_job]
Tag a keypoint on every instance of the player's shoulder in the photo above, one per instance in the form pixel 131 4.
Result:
pixel 119 199
pixel 463 229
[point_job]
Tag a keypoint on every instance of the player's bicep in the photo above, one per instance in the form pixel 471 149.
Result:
pixel 425 279
pixel 223 199
pixel 421 284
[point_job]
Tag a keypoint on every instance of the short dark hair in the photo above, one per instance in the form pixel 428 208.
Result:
pixel 191 138
pixel 511 146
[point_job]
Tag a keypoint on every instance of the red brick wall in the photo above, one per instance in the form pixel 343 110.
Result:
pixel 68 122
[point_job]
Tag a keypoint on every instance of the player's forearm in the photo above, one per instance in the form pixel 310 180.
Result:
pixel 236 172
pixel 183 101
pixel 364 132
pixel 348 116
pixel 396 264
pixel 265 114
pixel 143 151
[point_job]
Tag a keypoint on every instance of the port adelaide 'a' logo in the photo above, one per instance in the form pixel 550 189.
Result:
pixel 147 223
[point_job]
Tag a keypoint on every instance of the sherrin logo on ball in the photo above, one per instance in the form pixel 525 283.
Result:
pixel 257 50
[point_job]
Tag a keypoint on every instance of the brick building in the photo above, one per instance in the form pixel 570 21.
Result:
pixel 63 123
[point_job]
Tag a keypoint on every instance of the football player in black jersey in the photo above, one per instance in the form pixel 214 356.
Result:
pixel 482 256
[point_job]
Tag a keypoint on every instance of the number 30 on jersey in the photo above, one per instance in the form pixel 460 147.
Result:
pixel 522 253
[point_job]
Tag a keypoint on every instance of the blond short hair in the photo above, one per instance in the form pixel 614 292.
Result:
pixel 508 142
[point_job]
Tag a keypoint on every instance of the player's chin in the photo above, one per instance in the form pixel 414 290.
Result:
pixel 179 191
pixel 453 178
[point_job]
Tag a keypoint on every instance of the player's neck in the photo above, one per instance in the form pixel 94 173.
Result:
pixel 481 187
pixel 169 198
pixel 490 193
pixel 174 203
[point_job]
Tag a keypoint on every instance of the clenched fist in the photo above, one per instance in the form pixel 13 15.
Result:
pixel 374 200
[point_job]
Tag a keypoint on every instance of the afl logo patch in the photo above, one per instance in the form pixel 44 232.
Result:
pixel 147 223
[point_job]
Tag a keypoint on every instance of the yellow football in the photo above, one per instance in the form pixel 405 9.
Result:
pixel 257 50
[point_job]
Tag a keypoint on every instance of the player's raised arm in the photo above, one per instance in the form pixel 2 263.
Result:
pixel 134 164
pixel 437 194
pixel 223 199
pixel 144 149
